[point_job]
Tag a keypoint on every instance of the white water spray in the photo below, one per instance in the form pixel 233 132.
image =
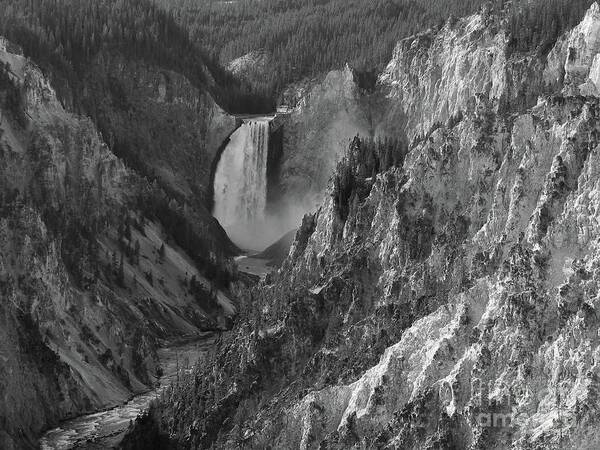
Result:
pixel 241 183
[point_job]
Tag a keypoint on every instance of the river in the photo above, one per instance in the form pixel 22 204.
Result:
pixel 104 429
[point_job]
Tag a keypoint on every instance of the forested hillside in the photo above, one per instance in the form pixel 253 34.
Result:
pixel 309 37
pixel 535 25
pixel 132 69
pixel 301 38
pixel 64 36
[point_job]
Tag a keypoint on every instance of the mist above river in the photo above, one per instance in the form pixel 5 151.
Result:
pixel 257 236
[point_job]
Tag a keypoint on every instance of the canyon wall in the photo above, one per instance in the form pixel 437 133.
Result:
pixel 91 279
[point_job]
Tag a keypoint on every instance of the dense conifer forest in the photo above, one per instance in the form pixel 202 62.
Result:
pixel 63 37
pixel 301 38
pixel 537 24
pixel 308 37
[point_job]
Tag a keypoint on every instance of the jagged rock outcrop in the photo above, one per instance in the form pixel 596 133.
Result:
pixel 431 80
pixel 435 76
pixel 574 60
pixel 253 64
pixel 484 278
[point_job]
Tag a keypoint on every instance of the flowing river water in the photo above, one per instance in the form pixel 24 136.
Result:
pixel 105 429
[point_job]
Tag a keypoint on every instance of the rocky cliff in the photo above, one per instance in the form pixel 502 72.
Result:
pixel 91 278
pixel 321 118
pixel 431 80
pixel 436 75
pixel 574 60
pixel 454 303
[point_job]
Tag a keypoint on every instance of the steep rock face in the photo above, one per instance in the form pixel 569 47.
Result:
pixel 453 306
pixel 324 117
pixel 88 283
pixel 574 59
pixel 432 79
pixel 435 76
pixel 161 125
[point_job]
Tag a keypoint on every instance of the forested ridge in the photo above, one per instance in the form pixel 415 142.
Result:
pixel 309 37
pixel 301 38
pixel 63 37
pixel 535 25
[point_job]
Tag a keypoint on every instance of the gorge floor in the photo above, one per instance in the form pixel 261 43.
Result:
pixel 105 429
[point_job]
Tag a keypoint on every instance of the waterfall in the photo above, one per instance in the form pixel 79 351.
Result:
pixel 240 184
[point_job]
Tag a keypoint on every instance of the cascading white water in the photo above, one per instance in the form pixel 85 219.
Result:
pixel 240 184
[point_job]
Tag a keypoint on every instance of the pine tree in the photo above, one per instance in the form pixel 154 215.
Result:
pixel 137 252
pixel 193 284
pixel 120 230
pixel 121 272
pixel 128 230
pixel 150 278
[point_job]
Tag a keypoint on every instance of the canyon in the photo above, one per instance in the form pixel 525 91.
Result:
pixel 109 251
pixel 444 300
pixel 405 258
